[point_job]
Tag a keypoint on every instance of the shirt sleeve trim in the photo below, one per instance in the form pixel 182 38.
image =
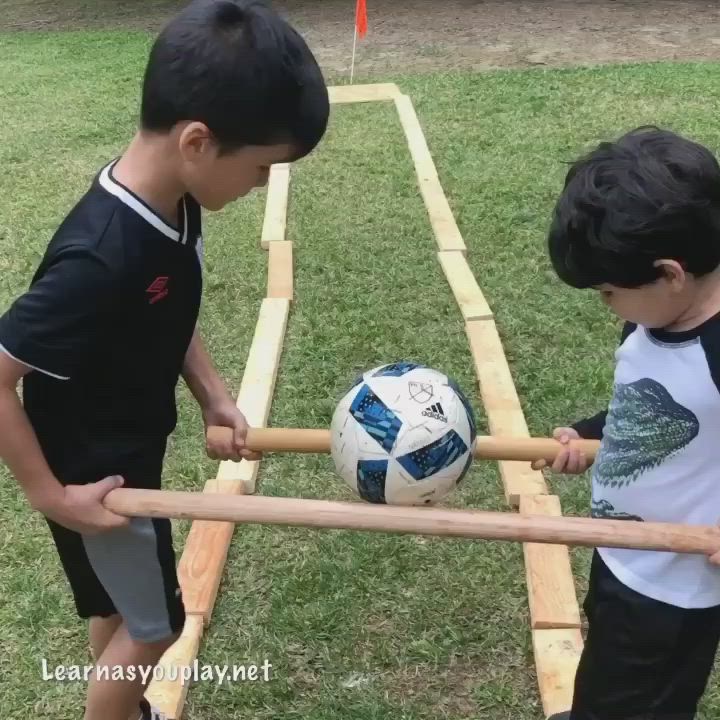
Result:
pixel 32 367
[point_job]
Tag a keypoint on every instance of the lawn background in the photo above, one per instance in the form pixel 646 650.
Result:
pixel 355 626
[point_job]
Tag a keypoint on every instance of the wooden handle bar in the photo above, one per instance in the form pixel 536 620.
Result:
pixel 488 447
pixel 258 509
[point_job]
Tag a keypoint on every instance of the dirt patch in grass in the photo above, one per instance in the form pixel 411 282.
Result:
pixel 424 35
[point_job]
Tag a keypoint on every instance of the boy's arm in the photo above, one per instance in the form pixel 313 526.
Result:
pixel 19 446
pixel 201 377
pixel 216 403
pixel 79 507
pixel 569 460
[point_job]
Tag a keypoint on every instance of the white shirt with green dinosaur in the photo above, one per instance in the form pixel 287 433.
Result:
pixel 659 458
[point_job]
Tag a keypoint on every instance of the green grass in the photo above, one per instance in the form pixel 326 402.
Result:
pixel 355 625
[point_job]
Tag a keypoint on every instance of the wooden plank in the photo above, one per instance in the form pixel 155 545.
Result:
pixel 231 485
pixel 499 396
pixel 202 563
pixel 362 93
pixel 245 472
pixel 502 406
pixel 258 383
pixel 275 221
pixel 168 694
pixel 464 286
pixel 557 653
pixel 201 566
pixel 280 269
pixel 551 588
pixel 447 233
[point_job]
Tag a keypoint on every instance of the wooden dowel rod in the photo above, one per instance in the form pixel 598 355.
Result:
pixel 498 447
pixel 262 510
pixel 488 447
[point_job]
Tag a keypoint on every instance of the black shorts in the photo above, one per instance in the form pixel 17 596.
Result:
pixel 643 659
pixel 132 571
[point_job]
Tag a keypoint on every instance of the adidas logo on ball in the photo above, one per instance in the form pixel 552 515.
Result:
pixel 435 411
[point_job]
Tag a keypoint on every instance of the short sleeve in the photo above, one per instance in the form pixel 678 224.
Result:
pixel 710 342
pixel 627 330
pixel 591 428
pixel 51 326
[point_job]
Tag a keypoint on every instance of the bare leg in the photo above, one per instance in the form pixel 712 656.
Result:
pixel 109 699
pixel 101 630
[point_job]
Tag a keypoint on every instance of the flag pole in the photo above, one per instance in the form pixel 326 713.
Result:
pixel 352 64
pixel 360 29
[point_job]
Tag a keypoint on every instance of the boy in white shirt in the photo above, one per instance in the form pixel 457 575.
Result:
pixel 639 222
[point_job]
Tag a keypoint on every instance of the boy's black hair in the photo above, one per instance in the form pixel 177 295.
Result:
pixel 650 195
pixel 241 69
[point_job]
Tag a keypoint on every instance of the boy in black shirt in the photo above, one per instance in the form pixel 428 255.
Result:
pixel 108 325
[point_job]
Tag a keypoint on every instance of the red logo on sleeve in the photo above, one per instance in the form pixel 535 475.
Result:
pixel 158 288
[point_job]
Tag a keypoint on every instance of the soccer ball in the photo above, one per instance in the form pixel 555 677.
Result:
pixel 403 435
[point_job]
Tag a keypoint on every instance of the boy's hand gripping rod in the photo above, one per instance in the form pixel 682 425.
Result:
pixel 257 509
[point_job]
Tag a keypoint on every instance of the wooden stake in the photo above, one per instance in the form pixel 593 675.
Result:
pixel 260 510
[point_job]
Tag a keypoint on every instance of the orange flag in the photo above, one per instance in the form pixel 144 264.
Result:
pixel 361 17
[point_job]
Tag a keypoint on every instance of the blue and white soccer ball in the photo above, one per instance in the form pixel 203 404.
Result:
pixel 403 435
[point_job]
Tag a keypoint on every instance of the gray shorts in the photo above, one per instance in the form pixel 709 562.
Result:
pixel 132 571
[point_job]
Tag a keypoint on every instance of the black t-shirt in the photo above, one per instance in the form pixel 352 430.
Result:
pixel 107 320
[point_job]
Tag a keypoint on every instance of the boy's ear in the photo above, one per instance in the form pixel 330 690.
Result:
pixel 195 141
pixel 673 272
